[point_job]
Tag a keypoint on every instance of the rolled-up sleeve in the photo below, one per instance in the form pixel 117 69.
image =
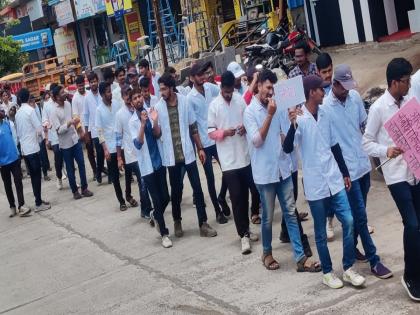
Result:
pixel 369 141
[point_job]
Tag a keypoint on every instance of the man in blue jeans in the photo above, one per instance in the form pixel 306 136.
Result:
pixel 404 187
pixel 324 169
pixel 271 170
pixel 68 140
pixel 199 99
pixel 347 114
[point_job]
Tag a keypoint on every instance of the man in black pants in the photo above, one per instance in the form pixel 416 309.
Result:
pixel 28 128
pixel 10 165
pixel 404 187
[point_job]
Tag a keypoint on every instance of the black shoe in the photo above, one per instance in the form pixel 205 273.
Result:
pixel 224 205
pixel 123 207
pixel 77 195
pixel 412 289
pixel 221 219
pixel 284 237
pixel 360 257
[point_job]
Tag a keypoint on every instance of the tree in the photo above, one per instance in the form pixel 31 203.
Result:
pixel 11 56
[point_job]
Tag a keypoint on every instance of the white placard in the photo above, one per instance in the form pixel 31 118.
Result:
pixel 289 93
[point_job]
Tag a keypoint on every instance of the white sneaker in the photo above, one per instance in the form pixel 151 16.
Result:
pixel 166 241
pixel 246 246
pixel 253 237
pixel 64 177
pixel 371 229
pixel 24 211
pixel 59 184
pixel 351 276
pixel 42 207
pixel 331 280
pixel 330 229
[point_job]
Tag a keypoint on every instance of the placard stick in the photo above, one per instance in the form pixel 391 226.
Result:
pixel 383 164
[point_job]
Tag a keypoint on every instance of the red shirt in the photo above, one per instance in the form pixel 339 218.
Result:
pixel 248 97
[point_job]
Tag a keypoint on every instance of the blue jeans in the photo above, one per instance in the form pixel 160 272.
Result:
pixel 339 204
pixel 357 198
pixel 70 155
pixel 284 191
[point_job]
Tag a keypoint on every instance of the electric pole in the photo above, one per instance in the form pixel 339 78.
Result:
pixel 156 11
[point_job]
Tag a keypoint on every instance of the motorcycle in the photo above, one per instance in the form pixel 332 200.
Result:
pixel 278 51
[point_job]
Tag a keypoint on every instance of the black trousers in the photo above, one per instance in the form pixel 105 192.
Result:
pixel 58 161
pixel 6 174
pixel 145 204
pixel 33 161
pixel 239 182
pixel 114 175
pixel 43 154
pixel 100 160
pixel 158 189
pixel 177 186
pixel 91 154
pixel 407 199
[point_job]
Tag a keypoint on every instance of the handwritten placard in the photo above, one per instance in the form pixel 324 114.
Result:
pixel 289 93
pixel 404 130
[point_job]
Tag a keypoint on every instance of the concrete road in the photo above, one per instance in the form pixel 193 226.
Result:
pixel 87 257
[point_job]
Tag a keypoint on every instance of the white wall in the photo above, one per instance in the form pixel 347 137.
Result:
pixel 349 21
pixel 391 16
pixel 367 24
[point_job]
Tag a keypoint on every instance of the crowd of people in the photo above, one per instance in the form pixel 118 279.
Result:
pixel 154 128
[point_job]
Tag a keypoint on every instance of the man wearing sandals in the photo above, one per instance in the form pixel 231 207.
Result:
pixel 348 117
pixel 126 155
pixel 325 177
pixel 271 169
pixel 225 126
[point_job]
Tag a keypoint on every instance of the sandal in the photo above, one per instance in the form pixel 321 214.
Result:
pixel 255 219
pixel 303 216
pixel 133 202
pixel 303 267
pixel 269 262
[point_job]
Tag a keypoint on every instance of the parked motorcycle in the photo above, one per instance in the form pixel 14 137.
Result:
pixel 278 51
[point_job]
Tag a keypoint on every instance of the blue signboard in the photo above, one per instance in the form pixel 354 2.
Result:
pixel 35 40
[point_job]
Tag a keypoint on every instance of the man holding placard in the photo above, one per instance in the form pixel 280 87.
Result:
pixel 404 187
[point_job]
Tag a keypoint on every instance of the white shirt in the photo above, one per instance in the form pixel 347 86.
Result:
pixel 122 119
pixel 232 151
pixel 28 128
pixel 116 95
pixel 186 118
pixel 77 105
pixel 153 101
pixel 90 105
pixel 184 90
pixel 314 139
pixel 39 113
pixel 105 122
pixel 415 86
pixel 114 86
pixel 143 155
pixel 200 104
pixel 347 121
pixel 268 160
pixel 376 140
pixel 7 107
pixel 47 112
pixel 67 135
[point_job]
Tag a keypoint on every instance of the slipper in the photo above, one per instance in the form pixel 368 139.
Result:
pixel 255 219
pixel 313 267
pixel 269 262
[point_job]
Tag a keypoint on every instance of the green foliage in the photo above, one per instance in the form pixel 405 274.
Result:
pixel 11 58
pixel 12 22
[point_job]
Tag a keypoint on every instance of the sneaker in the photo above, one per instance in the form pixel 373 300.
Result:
pixel 284 237
pixel 155 223
pixel 331 280
pixel 351 276
pixel 87 193
pixel 207 231
pixel 245 245
pixel 64 177
pixel 42 207
pixel 47 178
pixel 178 229
pixel 224 205
pixel 59 184
pixel 360 257
pixel 24 211
pixel 145 215
pixel 412 289
pixel 381 271
pixel 46 203
pixel 221 219
pixel 98 181
pixel 13 212
pixel 123 207
pixel 77 195
pixel 166 241
pixel 371 229
pixel 330 229
pixel 253 237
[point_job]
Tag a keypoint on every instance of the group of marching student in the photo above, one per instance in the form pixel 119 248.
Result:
pixel 150 126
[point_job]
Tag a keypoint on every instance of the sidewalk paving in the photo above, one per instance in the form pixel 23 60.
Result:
pixel 87 257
